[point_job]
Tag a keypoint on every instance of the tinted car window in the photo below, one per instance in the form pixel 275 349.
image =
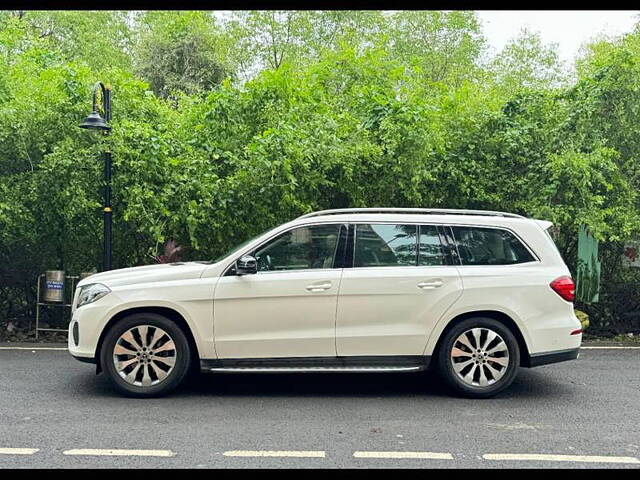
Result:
pixel 302 248
pixel 385 245
pixel 429 248
pixel 489 246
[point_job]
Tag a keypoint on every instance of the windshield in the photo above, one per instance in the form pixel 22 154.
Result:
pixel 238 247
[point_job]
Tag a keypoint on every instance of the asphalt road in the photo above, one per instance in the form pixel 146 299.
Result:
pixel 588 407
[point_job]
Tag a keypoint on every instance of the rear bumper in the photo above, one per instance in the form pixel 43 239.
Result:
pixel 556 356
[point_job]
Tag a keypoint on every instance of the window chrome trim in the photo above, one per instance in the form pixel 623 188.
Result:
pixel 297 270
pixel 355 239
pixel 413 267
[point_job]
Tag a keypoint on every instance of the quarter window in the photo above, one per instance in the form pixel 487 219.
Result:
pixel 489 246
pixel 303 248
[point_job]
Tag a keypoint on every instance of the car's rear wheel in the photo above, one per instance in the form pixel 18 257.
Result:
pixel 479 357
pixel 145 355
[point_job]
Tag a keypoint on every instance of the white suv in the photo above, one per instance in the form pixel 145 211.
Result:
pixel 474 293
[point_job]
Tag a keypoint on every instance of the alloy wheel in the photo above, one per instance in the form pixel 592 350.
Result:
pixel 480 357
pixel 144 355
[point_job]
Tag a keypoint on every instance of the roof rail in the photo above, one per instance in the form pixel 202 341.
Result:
pixel 429 211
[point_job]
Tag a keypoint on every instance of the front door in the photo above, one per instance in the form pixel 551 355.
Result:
pixel 401 283
pixel 288 308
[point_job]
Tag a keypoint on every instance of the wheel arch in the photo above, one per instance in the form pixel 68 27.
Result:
pixel 501 317
pixel 167 312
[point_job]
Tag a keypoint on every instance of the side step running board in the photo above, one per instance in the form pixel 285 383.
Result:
pixel 354 364
pixel 313 369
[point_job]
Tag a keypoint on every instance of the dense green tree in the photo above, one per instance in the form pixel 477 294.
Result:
pixel 526 63
pixel 445 46
pixel 99 39
pixel 181 51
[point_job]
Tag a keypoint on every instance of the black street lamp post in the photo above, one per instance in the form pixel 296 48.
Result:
pixel 95 122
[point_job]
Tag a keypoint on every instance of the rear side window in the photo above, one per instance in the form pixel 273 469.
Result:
pixel 430 251
pixel 489 246
pixel 389 245
pixel 385 245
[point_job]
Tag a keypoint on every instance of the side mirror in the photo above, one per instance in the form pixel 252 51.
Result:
pixel 246 265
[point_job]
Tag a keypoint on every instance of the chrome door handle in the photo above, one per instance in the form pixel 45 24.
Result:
pixel 318 287
pixel 430 285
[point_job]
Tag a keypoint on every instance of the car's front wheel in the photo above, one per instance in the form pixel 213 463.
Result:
pixel 145 355
pixel 479 357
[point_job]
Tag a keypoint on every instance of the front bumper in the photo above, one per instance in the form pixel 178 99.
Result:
pixel 89 321
pixel 84 359
pixel 545 358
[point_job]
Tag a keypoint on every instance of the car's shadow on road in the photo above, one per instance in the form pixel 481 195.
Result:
pixel 527 384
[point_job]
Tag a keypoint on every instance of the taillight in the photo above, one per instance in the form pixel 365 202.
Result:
pixel 564 287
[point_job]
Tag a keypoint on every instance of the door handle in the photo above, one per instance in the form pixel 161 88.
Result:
pixel 318 287
pixel 430 285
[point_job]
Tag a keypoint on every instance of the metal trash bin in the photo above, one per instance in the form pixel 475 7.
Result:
pixel 54 286
pixel 54 283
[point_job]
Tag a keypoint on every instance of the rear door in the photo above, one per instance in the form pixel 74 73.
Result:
pixel 402 281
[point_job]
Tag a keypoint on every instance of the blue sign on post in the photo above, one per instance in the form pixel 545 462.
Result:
pixel 54 286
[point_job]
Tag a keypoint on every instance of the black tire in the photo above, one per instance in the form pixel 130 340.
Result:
pixel 453 379
pixel 175 376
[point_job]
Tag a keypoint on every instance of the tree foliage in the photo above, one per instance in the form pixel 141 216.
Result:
pixel 526 63
pixel 445 46
pixel 180 51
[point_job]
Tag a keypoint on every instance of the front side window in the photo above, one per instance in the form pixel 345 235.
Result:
pixel 385 245
pixel 489 246
pixel 303 248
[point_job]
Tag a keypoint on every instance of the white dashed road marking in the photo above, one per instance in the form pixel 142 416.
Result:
pixel 125 453
pixel 429 455
pixel 33 348
pixel 275 453
pixel 559 458
pixel 609 348
pixel 18 451
pixel 358 454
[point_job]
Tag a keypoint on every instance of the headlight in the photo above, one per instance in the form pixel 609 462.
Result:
pixel 92 292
